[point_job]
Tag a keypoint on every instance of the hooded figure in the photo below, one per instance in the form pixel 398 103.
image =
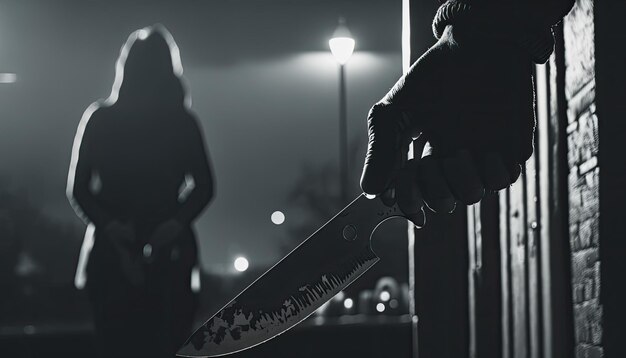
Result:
pixel 139 176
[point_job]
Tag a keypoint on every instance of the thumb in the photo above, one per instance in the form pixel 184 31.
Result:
pixel 388 141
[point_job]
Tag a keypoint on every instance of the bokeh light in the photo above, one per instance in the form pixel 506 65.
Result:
pixel 241 264
pixel 278 217
pixel 348 303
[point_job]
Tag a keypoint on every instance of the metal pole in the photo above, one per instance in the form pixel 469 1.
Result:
pixel 343 135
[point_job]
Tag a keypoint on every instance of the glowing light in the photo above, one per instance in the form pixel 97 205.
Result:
pixel 29 329
pixel 380 307
pixel 195 279
pixel 342 44
pixel 147 250
pixel 385 296
pixel 278 217
pixel 341 48
pixel 348 303
pixel 8 78
pixel 323 307
pixel 241 264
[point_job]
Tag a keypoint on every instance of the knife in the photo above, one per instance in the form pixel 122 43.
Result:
pixel 313 273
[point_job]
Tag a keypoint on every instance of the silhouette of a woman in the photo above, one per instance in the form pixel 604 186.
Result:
pixel 139 176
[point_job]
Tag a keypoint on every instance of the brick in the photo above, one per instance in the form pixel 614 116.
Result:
pixel 596 325
pixel 575 197
pixel 589 351
pixel 595 352
pixel 595 230
pixel 582 101
pixel 573 149
pixel 582 142
pixel 585 233
pixel 580 327
pixel 588 164
pixel 588 131
pixel 579 32
pixel 574 237
pixel 578 293
pixel 572 126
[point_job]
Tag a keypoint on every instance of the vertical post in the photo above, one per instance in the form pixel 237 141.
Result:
pixel 556 302
pixel 343 135
pixel 485 282
pixel 406 63
pixel 505 269
pixel 439 251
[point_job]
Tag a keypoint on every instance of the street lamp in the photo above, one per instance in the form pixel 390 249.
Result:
pixel 341 46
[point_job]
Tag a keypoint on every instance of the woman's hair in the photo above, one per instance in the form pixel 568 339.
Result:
pixel 149 70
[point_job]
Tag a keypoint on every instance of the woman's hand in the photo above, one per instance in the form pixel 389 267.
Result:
pixel 122 235
pixel 166 233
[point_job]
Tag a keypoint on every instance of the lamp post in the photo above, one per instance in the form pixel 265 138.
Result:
pixel 341 46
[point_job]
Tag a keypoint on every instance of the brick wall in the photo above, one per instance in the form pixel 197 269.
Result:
pixel 582 139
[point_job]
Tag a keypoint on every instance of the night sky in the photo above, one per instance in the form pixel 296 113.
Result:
pixel 262 80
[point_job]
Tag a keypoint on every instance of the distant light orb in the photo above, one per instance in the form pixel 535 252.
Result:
pixel 385 296
pixel 8 77
pixel 393 303
pixel 278 217
pixel 380 307
pixel 241 264
pixel 348 303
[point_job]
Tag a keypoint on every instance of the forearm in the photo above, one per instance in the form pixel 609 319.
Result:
pixel 197 200
pixel 86 207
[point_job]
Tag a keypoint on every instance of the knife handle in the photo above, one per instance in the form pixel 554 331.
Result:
pixel 403 189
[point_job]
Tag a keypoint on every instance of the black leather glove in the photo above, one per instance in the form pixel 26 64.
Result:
pixel 469 97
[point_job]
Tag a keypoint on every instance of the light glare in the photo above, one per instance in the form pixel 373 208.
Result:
pixel 341 48
pixel 380 307
pixel 348 303
pixel 8 78
pixel 385 296
pixel 278 217
pixel 241 264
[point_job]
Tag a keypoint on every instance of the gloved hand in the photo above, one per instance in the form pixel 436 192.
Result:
pixel 469 97
pixel 121 234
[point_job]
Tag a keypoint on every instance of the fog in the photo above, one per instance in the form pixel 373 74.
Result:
pixel 263 83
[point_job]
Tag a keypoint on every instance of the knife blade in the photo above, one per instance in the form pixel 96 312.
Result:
pixel 314 272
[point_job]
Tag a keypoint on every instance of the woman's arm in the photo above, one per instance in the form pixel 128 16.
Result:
pixel 200 169
pixel 81 172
